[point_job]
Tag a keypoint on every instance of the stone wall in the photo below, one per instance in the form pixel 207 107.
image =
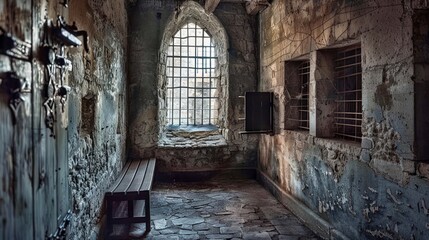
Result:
pixel 369 189
pixel 148 23
pixel 96 127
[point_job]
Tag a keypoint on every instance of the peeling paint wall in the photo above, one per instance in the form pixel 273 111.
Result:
pixel 70 167
pixel 374 188
pixel 148 23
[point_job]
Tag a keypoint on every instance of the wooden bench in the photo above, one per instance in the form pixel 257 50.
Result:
pixel 134 183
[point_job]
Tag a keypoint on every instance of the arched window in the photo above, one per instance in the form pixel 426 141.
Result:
pixel 193 74
pixel 192 78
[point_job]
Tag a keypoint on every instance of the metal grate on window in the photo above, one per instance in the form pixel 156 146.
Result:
pixel 192 81
pixel 301 100
pixel 348 83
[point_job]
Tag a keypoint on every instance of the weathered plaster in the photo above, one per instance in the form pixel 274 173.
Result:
pixel 367 189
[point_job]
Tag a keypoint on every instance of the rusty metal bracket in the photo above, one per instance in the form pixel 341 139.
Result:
pixel 67 35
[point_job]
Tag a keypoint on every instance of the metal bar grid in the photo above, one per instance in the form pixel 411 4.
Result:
pixel 303 73
pixel 348 83
pixel 192 83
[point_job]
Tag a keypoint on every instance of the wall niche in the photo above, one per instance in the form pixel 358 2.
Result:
pixel 88 114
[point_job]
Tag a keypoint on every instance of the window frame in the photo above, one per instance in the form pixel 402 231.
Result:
pixel 179 59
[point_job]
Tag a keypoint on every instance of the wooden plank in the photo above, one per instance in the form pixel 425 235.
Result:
pixel 62 172
pixel 141 173
pixel 22 141
pixel 147 183
pixel 129 176
pixel 46 156
pixel 6 169
pixel 120 178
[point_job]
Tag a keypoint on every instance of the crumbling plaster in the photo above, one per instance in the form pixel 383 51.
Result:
pixel 368 189
pixel 96 154
pixel 150 21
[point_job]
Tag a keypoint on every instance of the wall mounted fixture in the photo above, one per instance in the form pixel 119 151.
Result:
pixel 259 113
pixel 67 35
pixel 52 53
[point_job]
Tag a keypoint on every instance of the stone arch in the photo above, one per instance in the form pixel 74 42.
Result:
pixel 191 11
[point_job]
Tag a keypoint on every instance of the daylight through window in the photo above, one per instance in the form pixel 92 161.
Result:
pixel 192 78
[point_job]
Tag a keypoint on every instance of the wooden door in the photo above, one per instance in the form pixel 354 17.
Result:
pixel 34 190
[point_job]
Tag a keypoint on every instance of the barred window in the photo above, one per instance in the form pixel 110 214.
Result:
pixel 348 83
pixel 192 78
pixel 297 79
pixel 304 79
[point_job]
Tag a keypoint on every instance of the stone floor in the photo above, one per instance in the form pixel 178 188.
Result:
pixel 238 209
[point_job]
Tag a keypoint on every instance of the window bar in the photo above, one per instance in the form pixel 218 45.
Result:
pixel 304 78
pixel 203 71
pixel 180 83
pixel 187 82
pixel 348 79
pixel 172 89
pixel 210 83
pixel 196 70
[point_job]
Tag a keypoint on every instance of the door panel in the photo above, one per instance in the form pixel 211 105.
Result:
pixel 34 189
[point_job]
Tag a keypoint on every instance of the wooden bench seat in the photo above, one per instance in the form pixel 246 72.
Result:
pixel 134 183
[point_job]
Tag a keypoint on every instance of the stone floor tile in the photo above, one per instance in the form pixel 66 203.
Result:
pixel 169 231
pixel 187 232
pixel 256 236
pixel 201 227
pixel 259 229
pixel 219 236
pixel 233 229
pixel 287 237
pixel 160 224
pixel 186 220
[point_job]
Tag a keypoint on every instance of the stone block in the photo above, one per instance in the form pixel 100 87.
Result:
pixel 423 170
pixel 408 166
pixel 367 143
pixel 365 155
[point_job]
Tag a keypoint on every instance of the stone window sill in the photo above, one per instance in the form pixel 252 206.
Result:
pixel 191 137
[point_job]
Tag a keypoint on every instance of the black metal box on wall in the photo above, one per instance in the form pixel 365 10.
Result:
pixel 258 112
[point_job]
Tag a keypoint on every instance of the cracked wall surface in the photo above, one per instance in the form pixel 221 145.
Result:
pixel 374 188
pixel 96 134
pixel 148 23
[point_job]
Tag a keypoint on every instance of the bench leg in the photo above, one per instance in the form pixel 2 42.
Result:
pixel 147 212
pixel 130 208
pixel 109 216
